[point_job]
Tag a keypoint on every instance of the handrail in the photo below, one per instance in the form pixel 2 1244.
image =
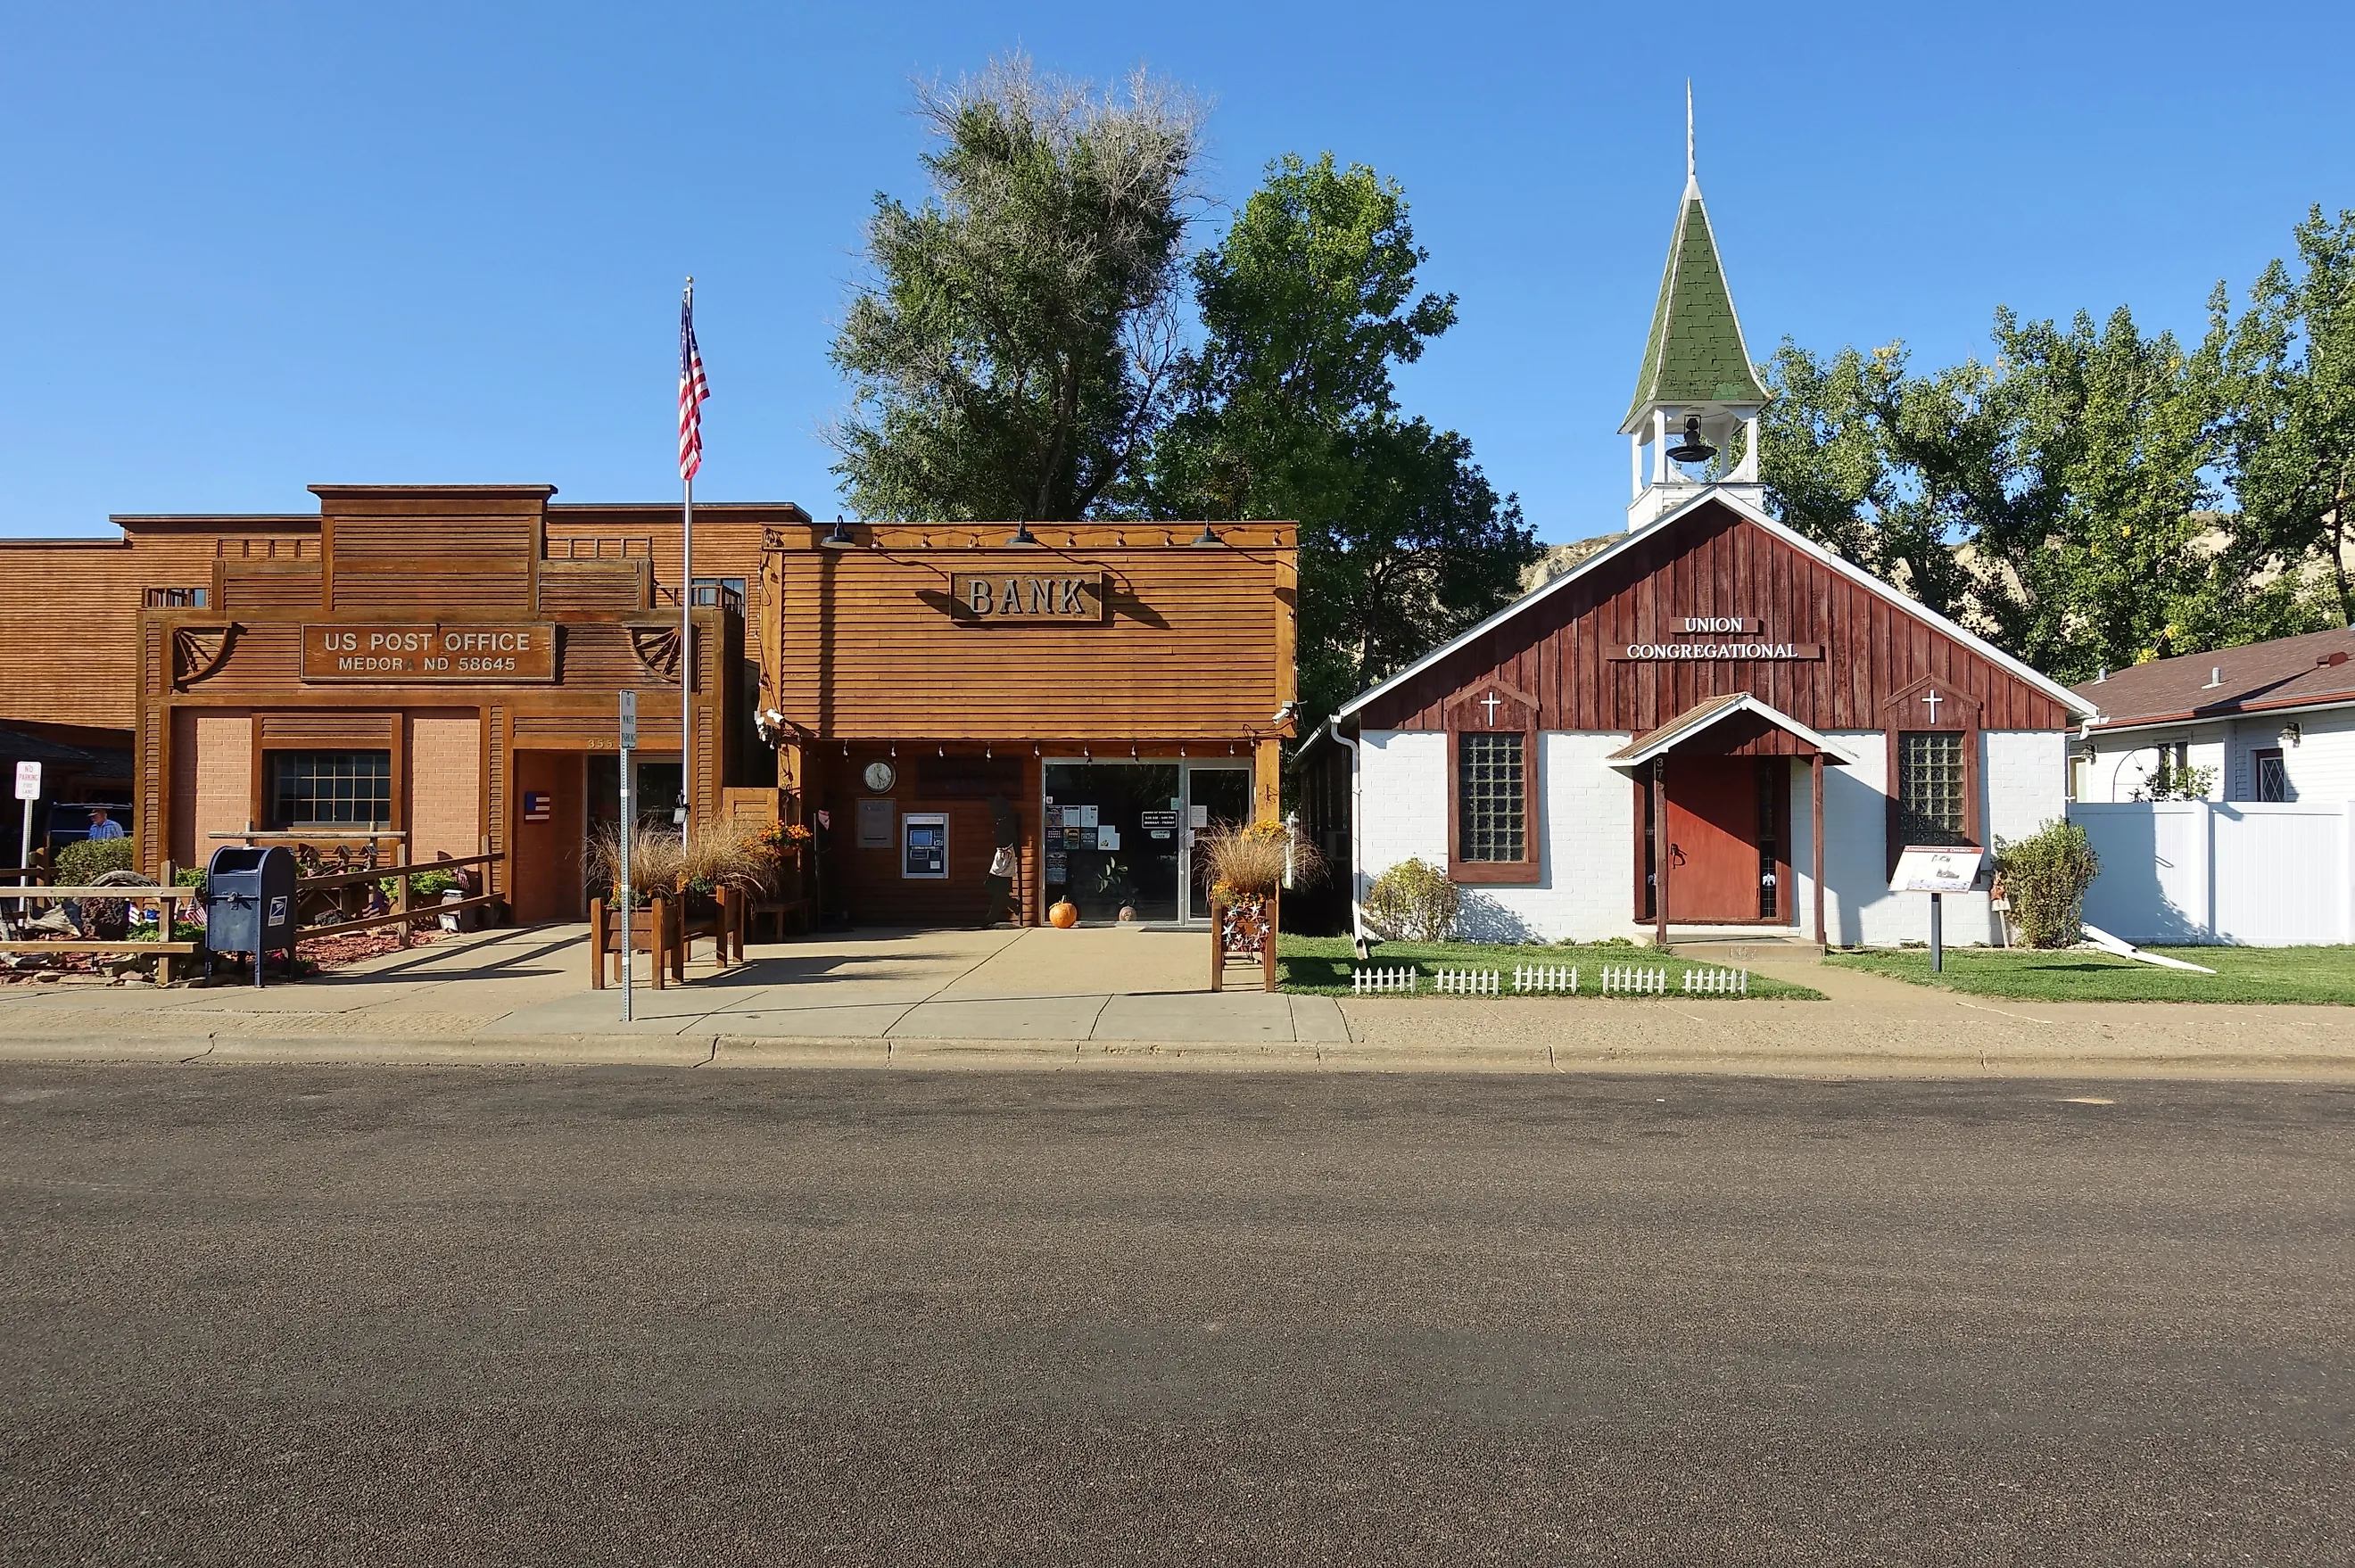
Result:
pixel 382 873
pixel 307 834
pixel 130 892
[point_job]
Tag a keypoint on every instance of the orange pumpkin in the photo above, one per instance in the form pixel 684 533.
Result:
pixel 1063 915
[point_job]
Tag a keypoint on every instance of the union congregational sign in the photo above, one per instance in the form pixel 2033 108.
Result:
pixel 1705 638
pixel 431 652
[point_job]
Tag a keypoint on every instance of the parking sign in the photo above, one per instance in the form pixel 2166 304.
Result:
pixel 28 781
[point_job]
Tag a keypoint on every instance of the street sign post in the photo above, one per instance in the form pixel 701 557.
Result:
pixel 629 831
pixel 1936 869
pixel 29 790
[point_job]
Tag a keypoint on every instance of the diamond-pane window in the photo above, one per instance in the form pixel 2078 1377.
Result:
pixel 1491 813
pixel 331 789
pixel 1931 788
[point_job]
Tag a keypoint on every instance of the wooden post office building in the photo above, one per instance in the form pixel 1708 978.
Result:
pixel 443 663
pixel 1713 725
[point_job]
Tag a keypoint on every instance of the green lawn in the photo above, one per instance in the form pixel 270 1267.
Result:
pixel 2243 974
pixel 1322 965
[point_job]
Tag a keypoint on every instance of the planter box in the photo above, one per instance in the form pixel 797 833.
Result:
pixel 1243 932
pixel 652 931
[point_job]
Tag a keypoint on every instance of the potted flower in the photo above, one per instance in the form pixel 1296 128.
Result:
pixel 1247 868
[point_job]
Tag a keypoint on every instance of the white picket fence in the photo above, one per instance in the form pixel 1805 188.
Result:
pixel 1717 982
pixel 1464 982
pixel 1629 980
pixel 1555 979
pixel 1372 982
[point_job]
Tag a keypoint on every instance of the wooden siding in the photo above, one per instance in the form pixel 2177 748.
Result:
pixel 243 587
pixel 70 614
pixel 392 553
pixel 568 589
pixel 1195 644
pixel 1713 562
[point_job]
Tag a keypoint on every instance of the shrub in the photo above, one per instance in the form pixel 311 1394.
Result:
pixel 1412 901
pixel 2045 876
pixel 81 864
pixel 724 854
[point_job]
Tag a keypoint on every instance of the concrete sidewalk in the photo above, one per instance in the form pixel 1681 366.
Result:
pixel 1124 998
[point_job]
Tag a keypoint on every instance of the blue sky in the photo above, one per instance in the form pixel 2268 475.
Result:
pixel 255 247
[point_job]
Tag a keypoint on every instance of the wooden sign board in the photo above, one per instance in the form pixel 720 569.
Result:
pixel 1012 598
pixel 1939 868
pixel 429 653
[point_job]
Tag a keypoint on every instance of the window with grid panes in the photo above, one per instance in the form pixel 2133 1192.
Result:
pixel 331 789
pixel 1491 815
pixel 1931 788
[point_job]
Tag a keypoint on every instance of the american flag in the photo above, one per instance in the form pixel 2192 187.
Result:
pixel 692 390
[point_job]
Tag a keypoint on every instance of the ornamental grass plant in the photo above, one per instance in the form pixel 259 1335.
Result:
pixel 722 855
pixel 1250 861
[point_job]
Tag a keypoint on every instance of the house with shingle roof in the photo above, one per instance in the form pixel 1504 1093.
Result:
pixel 2266 721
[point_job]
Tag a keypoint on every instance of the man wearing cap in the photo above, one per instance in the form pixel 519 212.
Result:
pixel 101 825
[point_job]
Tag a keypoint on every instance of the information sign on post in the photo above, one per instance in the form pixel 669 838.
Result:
pixel 1936 869
pixel 29 790
pixel 628 830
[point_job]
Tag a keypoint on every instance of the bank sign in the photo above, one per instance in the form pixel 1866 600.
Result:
pixel 429 653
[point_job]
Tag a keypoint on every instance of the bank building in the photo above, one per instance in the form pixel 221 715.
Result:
pixel 1711 727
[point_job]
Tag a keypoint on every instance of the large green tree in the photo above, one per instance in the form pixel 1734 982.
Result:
pixel 2061 498
pixel 1013 355
pixel 2292 436
pixel 1289 409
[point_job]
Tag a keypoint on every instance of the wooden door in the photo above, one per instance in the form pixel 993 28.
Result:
pixel 1712 840
pixel 547 860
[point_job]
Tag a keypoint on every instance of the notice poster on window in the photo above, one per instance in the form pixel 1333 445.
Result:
pixel 1199 817
pixel 1107 838
pixel 1057 869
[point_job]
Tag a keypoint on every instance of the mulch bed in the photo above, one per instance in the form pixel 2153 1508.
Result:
pixel 316 954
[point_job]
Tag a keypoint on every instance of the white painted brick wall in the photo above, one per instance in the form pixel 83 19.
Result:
pixel 1402 800
pixel 1585 886
pixel 1587 836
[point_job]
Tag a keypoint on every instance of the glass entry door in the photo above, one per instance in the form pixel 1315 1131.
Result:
pixel 654 797
pixel 1111 838
pixel 1217 796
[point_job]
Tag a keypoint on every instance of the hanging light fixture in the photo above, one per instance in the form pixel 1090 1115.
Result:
pixel 944 751
pixel 1692 449
pixel 1209 536
pixel 1132 751
pixel 840 538
pixel 1020 537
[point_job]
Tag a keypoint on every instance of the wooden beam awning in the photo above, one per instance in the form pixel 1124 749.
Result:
pixel 1734 724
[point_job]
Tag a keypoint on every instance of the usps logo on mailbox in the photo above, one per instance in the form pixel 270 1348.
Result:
pixel 278 910
pixel 538 806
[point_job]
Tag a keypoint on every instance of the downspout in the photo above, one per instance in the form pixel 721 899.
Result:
pixel 1357 796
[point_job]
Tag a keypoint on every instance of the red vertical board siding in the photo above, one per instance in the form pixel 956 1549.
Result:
pixel 1713 562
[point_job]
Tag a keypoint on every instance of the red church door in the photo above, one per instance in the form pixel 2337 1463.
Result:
pixel 1712 840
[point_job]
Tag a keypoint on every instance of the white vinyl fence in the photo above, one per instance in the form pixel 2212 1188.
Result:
pixel 2263 874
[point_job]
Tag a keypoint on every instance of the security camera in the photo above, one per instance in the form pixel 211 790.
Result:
pixel 1285 712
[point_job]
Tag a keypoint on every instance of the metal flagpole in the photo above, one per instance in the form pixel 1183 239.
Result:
pixel 692 390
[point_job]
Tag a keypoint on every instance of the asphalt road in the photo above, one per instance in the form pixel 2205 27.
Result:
pixel 362 1316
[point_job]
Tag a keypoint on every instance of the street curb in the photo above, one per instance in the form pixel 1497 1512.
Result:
pixel 745 1053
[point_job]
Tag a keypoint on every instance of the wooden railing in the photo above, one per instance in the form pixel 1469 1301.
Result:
pixel 404 911
pixel 599 546
pixel 161 948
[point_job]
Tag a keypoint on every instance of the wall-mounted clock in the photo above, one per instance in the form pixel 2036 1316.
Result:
pixel 881 776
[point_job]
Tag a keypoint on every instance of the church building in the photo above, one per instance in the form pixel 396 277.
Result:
pixel 1713 727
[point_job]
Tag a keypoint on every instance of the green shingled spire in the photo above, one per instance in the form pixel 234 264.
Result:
pixel 1695 354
